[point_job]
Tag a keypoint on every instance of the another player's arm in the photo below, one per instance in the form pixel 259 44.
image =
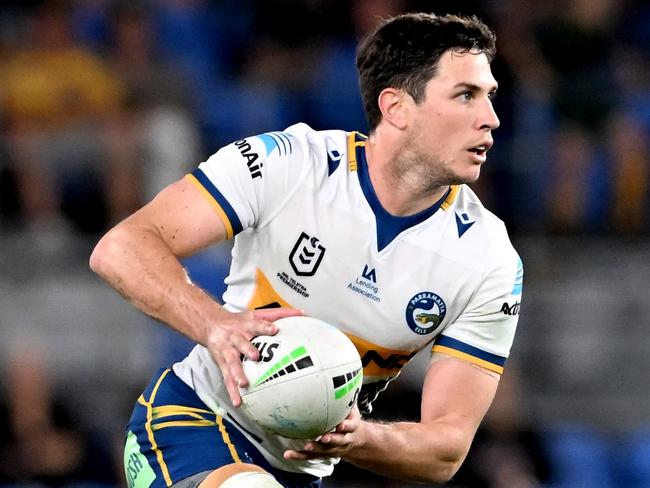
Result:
pixel 455 398
pixel 139 258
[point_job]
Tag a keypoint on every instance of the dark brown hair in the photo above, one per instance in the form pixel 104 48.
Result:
pixel 403 52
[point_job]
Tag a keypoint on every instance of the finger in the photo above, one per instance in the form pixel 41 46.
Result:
pixel 325 439
pixel 263 327
pixel 328 440
pixel 234 365
pixel 346 426
pixel 246 348
pixel 233 391
pixel 316 454
pixel 309 446
pixel 295 456
pixel 253 326
pixel 273 314
pixel 228 380
pixel 319 448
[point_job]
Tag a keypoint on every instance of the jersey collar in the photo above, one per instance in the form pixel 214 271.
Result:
pixel 388 226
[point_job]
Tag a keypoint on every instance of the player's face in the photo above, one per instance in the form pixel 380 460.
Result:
pixel 454 122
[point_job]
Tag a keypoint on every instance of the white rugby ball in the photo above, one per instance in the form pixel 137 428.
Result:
pixel 307 380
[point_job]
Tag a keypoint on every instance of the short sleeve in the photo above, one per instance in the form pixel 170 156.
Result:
pixel 484 331
pixel 248 180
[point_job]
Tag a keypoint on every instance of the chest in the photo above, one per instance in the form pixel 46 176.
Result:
pixel 320 254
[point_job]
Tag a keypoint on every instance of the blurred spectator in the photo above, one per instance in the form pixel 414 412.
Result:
pixel 333 99
pixel 40 439
pixel 286 48
pixel 162 131
pixel 629 149
pixel 63 109
pixel 206 42
pixel 9 204
pixel 518 167
pixel 577 194
pixel 577 40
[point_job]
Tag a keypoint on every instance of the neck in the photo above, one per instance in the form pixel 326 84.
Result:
pixel 397 190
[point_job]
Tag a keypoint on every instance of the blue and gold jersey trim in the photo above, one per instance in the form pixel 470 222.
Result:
pixel 450 197
pixel 454 347
pixel 390 226
pixel 355 140
pixel 150 435
pixel 167 410
pixel 225 211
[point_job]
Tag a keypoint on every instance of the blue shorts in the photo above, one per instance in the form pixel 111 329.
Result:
pixel 172 434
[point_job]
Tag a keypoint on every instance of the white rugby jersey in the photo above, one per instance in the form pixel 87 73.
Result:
pixel 310 233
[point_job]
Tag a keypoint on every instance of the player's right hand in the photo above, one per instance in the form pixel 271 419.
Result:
pixel 230 338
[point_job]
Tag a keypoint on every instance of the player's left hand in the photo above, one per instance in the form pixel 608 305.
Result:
pixel 346 436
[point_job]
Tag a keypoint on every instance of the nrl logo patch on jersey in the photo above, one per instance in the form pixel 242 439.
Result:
pixel 425 312
pixel 306 255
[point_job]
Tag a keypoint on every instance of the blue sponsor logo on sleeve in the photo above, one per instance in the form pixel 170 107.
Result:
pixel 519 278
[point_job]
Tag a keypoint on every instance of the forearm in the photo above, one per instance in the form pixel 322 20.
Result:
pixel 141 267
pixel 410 451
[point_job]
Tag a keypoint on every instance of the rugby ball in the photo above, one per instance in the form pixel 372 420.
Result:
pixel 306 381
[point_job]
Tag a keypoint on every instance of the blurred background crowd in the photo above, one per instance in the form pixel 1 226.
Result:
pixel 104 102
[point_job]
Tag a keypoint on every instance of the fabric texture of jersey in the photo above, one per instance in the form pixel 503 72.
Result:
pixel 310 233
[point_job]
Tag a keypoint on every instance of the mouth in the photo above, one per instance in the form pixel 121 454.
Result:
pixel 480 151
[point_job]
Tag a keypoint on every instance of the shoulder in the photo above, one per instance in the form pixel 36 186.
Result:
pixel 480 232
pixel 323 151
pixel 292 146
pixel 320 143
pixel 298 141
pixel 469 202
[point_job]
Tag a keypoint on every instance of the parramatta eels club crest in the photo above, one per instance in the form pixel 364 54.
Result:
pixel 425 312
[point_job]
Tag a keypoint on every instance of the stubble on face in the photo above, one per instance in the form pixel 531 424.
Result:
pixel 424 172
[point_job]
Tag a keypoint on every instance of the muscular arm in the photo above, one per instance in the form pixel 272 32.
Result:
pixel 139 258
pixel 455 398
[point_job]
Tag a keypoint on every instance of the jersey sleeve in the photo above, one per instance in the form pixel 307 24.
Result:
pixel 484 331
pixel 248 180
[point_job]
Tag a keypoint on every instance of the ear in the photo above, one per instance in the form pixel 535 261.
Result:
pixel 394 106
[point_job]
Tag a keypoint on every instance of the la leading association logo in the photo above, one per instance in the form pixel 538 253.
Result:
pixel 306 255
pixel 425 312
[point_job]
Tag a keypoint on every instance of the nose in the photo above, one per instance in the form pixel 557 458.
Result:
pixel 488 118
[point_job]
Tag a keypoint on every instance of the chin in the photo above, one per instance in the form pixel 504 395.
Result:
pixel 476 175
pixel 468 177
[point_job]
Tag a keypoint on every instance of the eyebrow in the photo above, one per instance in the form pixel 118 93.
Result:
pixel 475 88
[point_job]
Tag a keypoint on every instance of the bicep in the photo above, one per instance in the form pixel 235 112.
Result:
pixel 458 394
pixel 182 217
